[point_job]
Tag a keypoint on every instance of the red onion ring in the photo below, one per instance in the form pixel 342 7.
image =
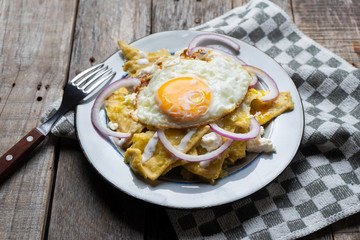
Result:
pixel 253 132
pixel 211 38
pixel 191 158
pixel 254 80
pixel 99 101
pixel 273 89
pixel 219 51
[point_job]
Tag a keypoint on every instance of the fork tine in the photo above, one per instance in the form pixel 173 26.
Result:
pixel 90 76
pixel 80 75
pixel 105 78
pixel 96 77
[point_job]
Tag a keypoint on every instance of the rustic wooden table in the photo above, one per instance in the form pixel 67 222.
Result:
pixel 56 194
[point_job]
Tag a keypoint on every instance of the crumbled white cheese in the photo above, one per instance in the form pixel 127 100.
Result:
pixel 205 164
pixel 118 141
pixel 260 144
pixel 262 131
pixel 211 141
pixel 143 54
pixel 142 61
pixel 131 98
pixel 146 70
pixel 257 114
pixel 113 126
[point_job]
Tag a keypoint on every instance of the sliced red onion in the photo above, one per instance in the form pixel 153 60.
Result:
pixel 191 158
pixel 253 132
pixel 220 51
pixel 273 89
pixel 254 80
pixel 99 101
pixel 212 38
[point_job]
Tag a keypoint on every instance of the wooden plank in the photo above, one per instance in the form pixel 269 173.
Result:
pixel 34 47
pixel 84 205
pixel 348 228
pixel 348 236
pixel 185 14
pixel 333 24
pixel 283 4
pixel 322 234
pixel 158 225
pixel 101 23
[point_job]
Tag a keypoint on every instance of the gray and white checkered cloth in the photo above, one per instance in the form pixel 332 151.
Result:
pixel 322 183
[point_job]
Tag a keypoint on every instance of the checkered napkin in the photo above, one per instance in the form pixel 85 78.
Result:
pixel 322 183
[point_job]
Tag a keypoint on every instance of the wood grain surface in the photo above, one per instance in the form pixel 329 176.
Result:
pixel 34 55
pixel 185 14
pixel 57 194
pixel 334 24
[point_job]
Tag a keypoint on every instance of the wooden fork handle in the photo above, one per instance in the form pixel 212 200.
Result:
pixel 17 153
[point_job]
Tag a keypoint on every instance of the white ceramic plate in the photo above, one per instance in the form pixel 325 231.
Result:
pixel 286 135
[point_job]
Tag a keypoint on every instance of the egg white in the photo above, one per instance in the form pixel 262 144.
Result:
pixel 225 77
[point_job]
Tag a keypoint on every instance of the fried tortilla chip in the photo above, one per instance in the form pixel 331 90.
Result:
pixel 237 151
pixel 118 108
pixel 132 56
pixel 161 161
pixel 211 172
pixel 266 111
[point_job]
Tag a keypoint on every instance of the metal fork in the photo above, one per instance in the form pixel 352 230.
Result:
pixel 75 90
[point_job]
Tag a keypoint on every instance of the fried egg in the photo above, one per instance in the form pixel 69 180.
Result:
pixel 188 92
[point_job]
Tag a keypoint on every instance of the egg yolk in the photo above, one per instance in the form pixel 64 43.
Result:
pixel 184 98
